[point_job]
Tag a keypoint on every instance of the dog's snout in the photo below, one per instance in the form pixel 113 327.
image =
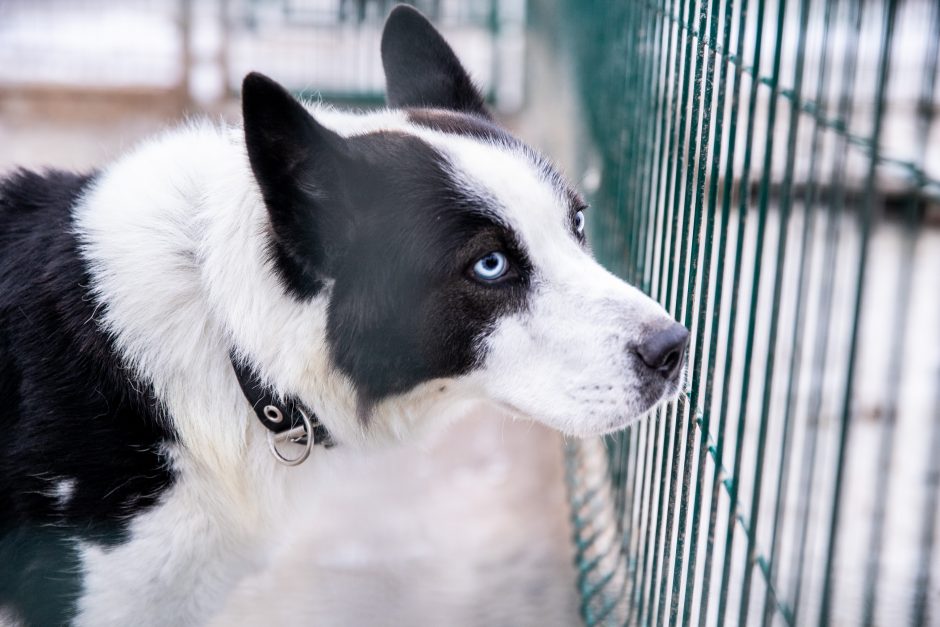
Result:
pixel 663 351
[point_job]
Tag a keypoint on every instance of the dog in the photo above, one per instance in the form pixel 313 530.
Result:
pixel 180 329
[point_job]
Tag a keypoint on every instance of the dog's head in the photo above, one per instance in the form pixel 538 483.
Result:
pixel 449 258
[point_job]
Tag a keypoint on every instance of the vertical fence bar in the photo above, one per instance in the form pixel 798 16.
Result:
pixel 744 194
pixel 670 219
pixel 911 218
pixel 645 133
pixel 920 607
pixel 666 114
pixel 831 239
pixel 629 109
pixel 654 283
pixel 622 46
pixel 804 250
pixel 732 312
pixel 635 86
pixel 756 492
pixel 705 424
pixel 615 83
pixel 637 592
pixel 676 303
pixel 923 578
pixel 657 103
pixel 694 168
pixel 642 438
pixel 644 141
pixel 867 217
pixel 644 198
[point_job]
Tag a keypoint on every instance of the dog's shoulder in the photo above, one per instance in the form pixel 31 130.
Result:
pixel 34 211
pixel 81 447
pixel 29 190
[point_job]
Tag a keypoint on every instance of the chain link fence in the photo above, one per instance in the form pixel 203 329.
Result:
pixel 770 172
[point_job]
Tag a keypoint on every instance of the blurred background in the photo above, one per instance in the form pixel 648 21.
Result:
pixel 769 170
pixel 143 63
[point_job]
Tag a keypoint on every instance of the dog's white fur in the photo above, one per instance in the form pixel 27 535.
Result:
pixel 174 234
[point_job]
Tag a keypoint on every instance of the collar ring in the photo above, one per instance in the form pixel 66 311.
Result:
pixel 301 434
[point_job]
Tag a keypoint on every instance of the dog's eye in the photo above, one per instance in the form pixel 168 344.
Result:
pixel 579 223
pixel 491 266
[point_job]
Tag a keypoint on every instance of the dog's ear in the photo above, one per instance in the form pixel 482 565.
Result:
pixel 421 69
pixel 298 164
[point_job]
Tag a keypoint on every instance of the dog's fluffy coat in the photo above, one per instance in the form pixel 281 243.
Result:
pixel 334 253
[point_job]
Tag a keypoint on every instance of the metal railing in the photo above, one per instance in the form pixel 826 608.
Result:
pixel 770 172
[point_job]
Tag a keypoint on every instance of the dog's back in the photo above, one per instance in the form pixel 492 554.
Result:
pixel 79 451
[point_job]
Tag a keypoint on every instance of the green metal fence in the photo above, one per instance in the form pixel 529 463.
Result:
pixel 770 172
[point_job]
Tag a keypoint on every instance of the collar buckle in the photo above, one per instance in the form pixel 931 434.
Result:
pixel 280 416
pixel 302 434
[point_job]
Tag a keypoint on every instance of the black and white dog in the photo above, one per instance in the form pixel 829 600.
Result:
pixel 220 294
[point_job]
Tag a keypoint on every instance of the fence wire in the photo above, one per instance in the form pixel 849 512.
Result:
pixel 770 172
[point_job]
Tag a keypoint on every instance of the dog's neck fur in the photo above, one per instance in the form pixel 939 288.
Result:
pixel 177 240
pixel 187 277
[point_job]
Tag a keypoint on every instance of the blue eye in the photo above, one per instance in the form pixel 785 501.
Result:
pixel 491 266
pixel 579 222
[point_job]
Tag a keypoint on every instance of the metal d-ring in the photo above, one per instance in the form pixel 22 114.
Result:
pixel 302 435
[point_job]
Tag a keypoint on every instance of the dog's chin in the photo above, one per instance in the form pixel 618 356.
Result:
pixel 587 424
pixel 614 425
pixel 619 422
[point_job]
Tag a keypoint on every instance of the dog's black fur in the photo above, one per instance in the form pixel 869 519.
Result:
pixel 68 407
pixel 349 206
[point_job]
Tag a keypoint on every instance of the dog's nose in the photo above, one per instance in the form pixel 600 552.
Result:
pixel 663 350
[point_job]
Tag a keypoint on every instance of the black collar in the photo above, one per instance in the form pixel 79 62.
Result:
pixel 275 414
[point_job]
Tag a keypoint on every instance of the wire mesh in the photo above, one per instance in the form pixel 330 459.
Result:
pixel 770 172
